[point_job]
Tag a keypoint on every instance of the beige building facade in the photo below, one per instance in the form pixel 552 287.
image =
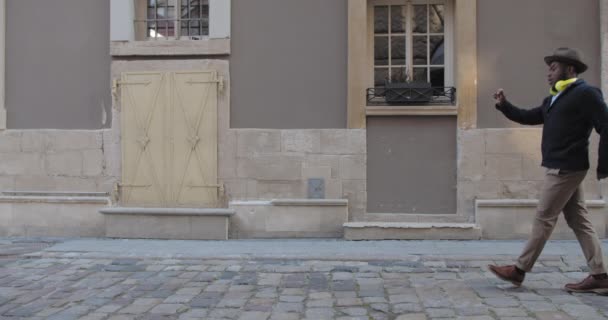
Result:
pixel 277 119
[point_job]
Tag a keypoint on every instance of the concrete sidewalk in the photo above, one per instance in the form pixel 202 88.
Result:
pixel 303 249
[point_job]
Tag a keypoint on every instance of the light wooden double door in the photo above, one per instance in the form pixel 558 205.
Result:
pixel 169 139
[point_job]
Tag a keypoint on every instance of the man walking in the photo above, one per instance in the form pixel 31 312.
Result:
pixel 569 115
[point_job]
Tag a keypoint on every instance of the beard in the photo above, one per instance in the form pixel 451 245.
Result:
pixel 563 75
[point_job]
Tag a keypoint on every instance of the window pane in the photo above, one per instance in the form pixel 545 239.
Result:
pixel 381 51
pixel 151 14
pixel 419 19
pixel 420 75
pixel 437 50
pixel 398 50
pixel 398 19
pixel 436 18
pixel 152 30
pixel 398 75
pixel 380 76
pixel 420 50
pixel 438 77
pixel 381 19
pixel 158 3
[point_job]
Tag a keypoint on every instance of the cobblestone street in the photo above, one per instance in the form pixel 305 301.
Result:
pixel 68 284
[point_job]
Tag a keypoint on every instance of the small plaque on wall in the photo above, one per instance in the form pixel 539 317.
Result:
pixel 316 188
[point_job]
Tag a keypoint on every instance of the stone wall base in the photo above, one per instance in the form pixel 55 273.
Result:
pixel 289 219
pixel 167 223
pixel 510 219
pixel 52 215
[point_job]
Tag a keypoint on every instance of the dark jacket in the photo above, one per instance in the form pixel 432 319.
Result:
pixel 567 126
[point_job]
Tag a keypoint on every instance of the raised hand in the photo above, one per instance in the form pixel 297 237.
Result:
pixel 500 97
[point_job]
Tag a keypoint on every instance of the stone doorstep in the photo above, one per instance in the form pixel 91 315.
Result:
pixel 168 211
pixel 167 223
pixel 411 231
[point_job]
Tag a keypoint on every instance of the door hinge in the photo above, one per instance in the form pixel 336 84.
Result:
pixel 220 187
pixel 117 83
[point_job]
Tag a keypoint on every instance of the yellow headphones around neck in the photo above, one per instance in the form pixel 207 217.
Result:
pixel 562 85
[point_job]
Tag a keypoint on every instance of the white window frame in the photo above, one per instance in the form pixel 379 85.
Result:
pixel 2 64
pixel 448 37
pixel 124 13
pixel 176 21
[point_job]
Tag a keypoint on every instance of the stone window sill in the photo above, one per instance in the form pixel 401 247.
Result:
pixel 411 111
pixel 209 47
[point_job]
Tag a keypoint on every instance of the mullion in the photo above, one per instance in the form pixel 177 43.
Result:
pixel 188 16
pixel 389 44
pixel 428 42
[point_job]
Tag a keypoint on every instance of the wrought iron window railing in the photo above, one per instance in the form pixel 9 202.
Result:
pixel 405 95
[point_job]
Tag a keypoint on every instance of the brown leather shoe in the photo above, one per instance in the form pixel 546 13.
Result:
pixel 590 285
pixel 508 273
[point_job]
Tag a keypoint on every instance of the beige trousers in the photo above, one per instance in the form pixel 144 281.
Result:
pixel 562 191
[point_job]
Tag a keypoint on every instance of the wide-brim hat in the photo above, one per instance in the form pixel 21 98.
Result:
pixel 568 56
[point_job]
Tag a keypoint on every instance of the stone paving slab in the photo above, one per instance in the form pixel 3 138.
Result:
pixel 82 288
pixel 146 279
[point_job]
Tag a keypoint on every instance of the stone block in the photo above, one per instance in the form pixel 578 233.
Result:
pixel 316 161
pixel 235 189
pixel 269 190
pixel 304 141
pixel 472 141
pixel 517 140
pixel 509 219
pixel 10 141
pixel 34 141
pixel 316 173
pixel 471 166
pixel 356 193
pixel 353 167
pixel 343 141
pixel 251 189
pixel 92 162
pixel 270 167
pixel 521 189
pixel 468 191
pixel 21 163
pixel 65 140
pixel 298 219
pixel 471 154
pixel 251 142
pixel 112 152
pixel 591 187
pixel 169 225
pixel 227 159
pixel 503 167
pixel 52 217
pixel 54 183
pixel 6 214
pixel 106 184
pixel 64 163
pixel 333 189
pixel 7 183
pixel 531 167
pixel 410 231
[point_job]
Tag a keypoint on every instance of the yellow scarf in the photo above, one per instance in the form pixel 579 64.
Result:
pixel 562 85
